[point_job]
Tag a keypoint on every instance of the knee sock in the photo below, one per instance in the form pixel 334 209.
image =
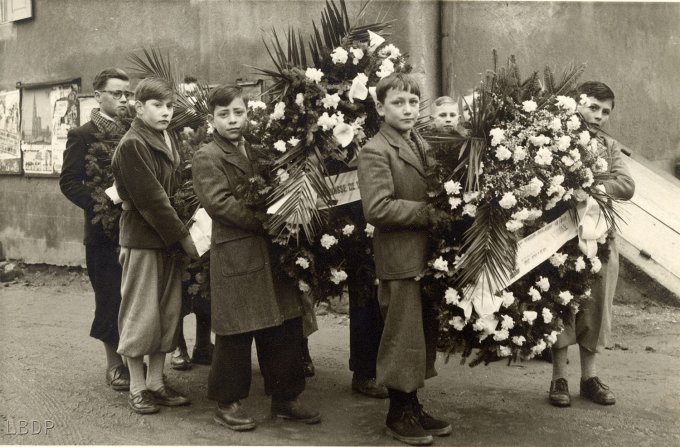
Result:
pixel 136 367
pixel 154 380
pixel 112 357
pixel 559 357
pixel 181 343
pixel 588 369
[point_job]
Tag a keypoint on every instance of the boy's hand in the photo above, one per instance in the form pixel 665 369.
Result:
pixel 189 247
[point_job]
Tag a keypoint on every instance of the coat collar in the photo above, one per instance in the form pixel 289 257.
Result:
pixel 398 141
pixel 233 154
pixel 155 139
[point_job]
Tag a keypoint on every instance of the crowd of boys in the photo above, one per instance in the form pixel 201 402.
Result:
pixel 138 289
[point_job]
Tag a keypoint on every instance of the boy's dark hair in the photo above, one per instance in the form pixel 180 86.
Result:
pixel 596 89
pixel 223 95
pixel 153 88
pixel 189 80
pixel 100 80
pixel 397 81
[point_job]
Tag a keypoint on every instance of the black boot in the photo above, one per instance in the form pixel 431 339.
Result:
pixel 307 359
pixel 402 423
pixel 430 424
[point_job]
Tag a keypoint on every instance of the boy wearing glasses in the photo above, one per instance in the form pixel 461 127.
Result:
pixel 111 88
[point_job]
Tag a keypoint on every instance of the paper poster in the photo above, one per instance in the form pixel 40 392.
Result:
pixel 87 103
pixel 10 133
pixel 49 113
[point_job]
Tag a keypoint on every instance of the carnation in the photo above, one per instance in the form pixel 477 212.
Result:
pixel 389 51
pixel 327 241
pixel 314 74
pixel 504 351
pixel 543 283
pixel 293 141
pixel 583 100
pixel 357 54
pixel 454 202
pixel 540 347
pixel 567 103
pixel 302 262
pixel 522 214
pixel 280 146
pixel 451 296
pixel 575 154
pixel 470 210
pixel 573 123
pixel 303 286
pixel 534 294
pixel 279 108
pixel 507 322
pixel 547 315
pixel 519 154
pixel 584 138
pixel 452 187
pixel 339 55
pixel 580 264
pixel 514 225
pixel 529 316
pixel 503 153
pixel 300 99
pixel 338 276
pixel 519 340
pixel 556 124
pixel 529 106
pixel 534 187
pixel 508 298
pixel 568 161
pixel 601 165
pixel 254 105
pixel 327 121
pixel 543 156
pixel 508 201
pixel 497 136
pixel 386 68
pixel 282 175
pixel 551 338
pixel 331 101
pixel 470 196
pixel 369 230
pixel 347 230
pixel 534 213
pixel 595 263
pixel 501 335
pixel 441 264
pixel 565 297
pixel 458 323
pixel 558 259
pixel 590 178
pixel 539 140
pixel 563 142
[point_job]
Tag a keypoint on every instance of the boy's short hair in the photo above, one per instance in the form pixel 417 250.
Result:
pixel 596 89
pixel 153 88
pixel 443 100
pixel 397 81
pixel 223 95
pixel 102 77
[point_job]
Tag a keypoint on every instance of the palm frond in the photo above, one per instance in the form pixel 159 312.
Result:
pixel 154 63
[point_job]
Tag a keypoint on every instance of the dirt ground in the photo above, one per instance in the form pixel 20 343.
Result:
pixel 52 387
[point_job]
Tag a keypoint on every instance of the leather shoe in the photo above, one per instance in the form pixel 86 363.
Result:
pixel 168 397
pixel 234 417
pixel 559 393
pixel 597 391
pixel 202 355
pixel 118 378
pixel 368 387
pixel 142 402
pixel 180 360
pixel 295 411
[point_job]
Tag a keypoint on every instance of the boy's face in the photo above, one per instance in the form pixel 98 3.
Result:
pixel 445 118
pixel 156 113
pixel 229 120
pixel 400 109
pixel 107 103
pixel 596 112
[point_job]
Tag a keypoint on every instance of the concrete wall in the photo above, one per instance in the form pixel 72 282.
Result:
pixel 633 47
pixel 209 39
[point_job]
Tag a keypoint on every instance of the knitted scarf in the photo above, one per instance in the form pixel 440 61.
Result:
pixel 105 125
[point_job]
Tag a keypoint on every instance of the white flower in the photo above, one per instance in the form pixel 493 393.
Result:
pixel 529 106
pixel 508 201
pixel 522 214
pixel 508 298
pixel 347 230
pixel 452 187
pixel 589 178
pixel 375 40
pixel 210 129
pixel 501 335
pixel 327 241
pixel 551 339
pixel 519 340
pixel 497 136
pixel 302 262
pixel 580 264
pixel 386 68
pixel 280 146
pixel 534 187
pixel 344 133
pixel 338 276
pixel 550 204
pixel 300 99
pixel 540 347
pixel 584 138
pixel 567 103
pixel 314 74
pixel 595 264
pixel 282 175
pixel 254 105
pixel 565 297
pixel 584 100
pixel 514 225
pixel 568 161
pixel 303 286
pixel 358 89
pixel 441 264
pixel 470 210
pixel 556 125
pixel 563 142
pixel 357 54
pixel 293 141
pixel 529 316
pixel 539 140
pixel 458 323
pixel 543 156
pixel 557 180
pixel 389 51
pixel 519 154
pixel 573 123
pixel 543 283
pixel 454 202
pixel 534 213
pixel 327 122
pixel 601 165
pixel 331 101
pixel 547 315
pixel 339 55
pixel 558 259
pixel 507 322
pixel 369 230
pixel 504 351
pixel 279 108
pixel 575 154
pixel 503 153
pixel 534 294
pixel 451 296
pixel 470 196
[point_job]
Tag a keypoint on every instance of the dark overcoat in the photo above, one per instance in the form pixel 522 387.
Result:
pixel 245 295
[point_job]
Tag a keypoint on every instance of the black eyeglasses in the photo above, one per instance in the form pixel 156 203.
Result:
pixel 118 93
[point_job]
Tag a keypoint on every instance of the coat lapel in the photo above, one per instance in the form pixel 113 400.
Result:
pixel 233 155
pixel 396 140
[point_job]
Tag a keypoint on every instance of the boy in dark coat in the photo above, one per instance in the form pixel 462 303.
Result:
pixel 111 91
pixel 247 301
pixel 393 192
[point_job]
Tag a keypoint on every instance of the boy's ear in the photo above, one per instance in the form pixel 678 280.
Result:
pixel 139 107
pixel 380 108
pixel 98 97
